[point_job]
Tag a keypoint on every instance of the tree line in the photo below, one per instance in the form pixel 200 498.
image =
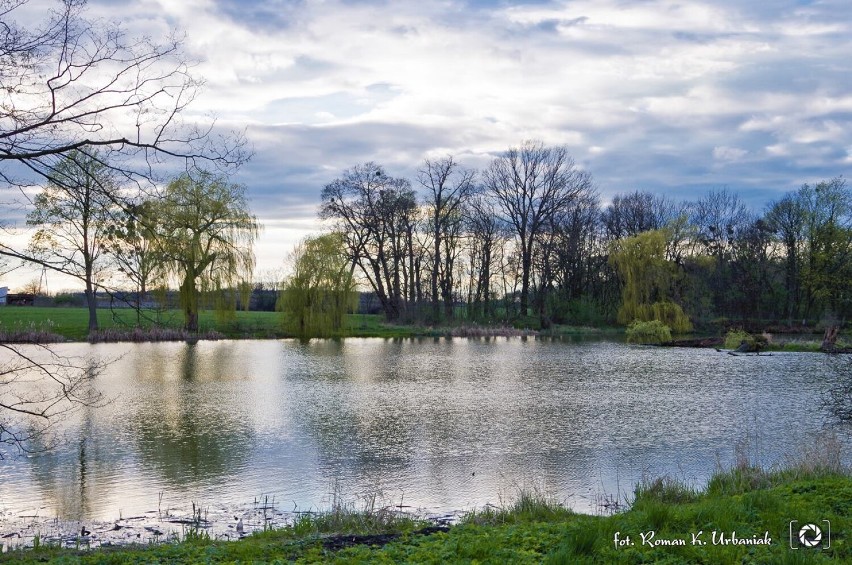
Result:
pixel 94 142
pixel 528 240
pixel 195 234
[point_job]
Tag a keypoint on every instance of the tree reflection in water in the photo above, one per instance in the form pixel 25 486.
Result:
pixel 838 398
pixel 187 436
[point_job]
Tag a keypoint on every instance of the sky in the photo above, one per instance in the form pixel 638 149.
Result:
pixel 673 97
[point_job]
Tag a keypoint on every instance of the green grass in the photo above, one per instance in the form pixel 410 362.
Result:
pixel 372 325
pixel 535 529
pixel 802 345
pixel 72 322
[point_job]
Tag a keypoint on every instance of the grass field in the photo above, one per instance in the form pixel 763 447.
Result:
pixel 71 323
pixel 742 516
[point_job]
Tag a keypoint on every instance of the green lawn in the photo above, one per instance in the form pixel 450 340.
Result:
pixel 745 504
pixel 72 323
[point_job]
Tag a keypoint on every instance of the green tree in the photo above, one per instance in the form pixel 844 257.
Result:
pixel 321 290
pixel 646 275
pixel 205 239
pixel 72 216
pixel 133 248
pixel 826 273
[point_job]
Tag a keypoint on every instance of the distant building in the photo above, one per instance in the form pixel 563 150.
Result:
pixel 4 291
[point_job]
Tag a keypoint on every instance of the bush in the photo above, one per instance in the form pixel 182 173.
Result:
pixel 735 338
pixel 68 299
pixel 653 332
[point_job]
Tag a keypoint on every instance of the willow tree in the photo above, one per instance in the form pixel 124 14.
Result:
pixel 321 290
pixel 646 275
pixel 205 237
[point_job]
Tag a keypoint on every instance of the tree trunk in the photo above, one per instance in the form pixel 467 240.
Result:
pixel 189 294
pixel 92 303
pixel 829 339
pixel 436 263
pixel 526 263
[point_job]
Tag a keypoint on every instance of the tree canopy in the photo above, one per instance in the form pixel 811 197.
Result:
pixel 205 236
pixel 72 216
pixel 646 278
pixel 321 291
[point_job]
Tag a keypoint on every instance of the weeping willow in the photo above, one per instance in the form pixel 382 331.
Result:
pixel 321 291
pixel 205 234
pixel 646 274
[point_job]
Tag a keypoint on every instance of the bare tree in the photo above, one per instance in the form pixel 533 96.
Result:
pixel 786 218
pixel 719 217
pixel 132 247
pixel 37 389
pixel 632 213
pixel 576 236
pixel 449 186
pixel 377 214
pixel 485 232
pixel 72 84
pixel 532 184
pixel 75 83
pixel 72 216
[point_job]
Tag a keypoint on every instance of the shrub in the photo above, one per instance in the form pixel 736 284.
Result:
pixel 68 299
pixel 734 338
pixel 653 332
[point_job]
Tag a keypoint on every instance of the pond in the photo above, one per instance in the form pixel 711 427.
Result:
pixel 433 424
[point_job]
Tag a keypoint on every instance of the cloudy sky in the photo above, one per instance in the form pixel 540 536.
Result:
pixel 667 96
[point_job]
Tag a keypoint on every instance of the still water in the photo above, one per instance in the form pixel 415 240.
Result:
pixel 430 424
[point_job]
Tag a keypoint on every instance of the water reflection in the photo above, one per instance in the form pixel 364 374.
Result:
pixel 68 477
pixel 837 398
pixel 443 423
pixel 185 434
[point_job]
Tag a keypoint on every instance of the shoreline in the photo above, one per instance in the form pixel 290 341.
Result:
pixel 743 508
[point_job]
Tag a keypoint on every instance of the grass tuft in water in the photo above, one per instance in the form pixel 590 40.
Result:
pixel 374 516
pixel 529 505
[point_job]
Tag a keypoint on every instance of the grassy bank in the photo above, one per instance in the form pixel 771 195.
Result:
pixel 48 323
pixel 742 516
pixel 71 323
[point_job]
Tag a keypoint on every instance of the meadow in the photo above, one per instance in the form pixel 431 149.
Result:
pixel 71 323
pixel 40 323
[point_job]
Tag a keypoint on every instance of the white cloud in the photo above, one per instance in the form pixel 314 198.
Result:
pixel 654 94
pixel 728 154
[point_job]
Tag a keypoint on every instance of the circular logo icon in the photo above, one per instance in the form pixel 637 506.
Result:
pixel 810 535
